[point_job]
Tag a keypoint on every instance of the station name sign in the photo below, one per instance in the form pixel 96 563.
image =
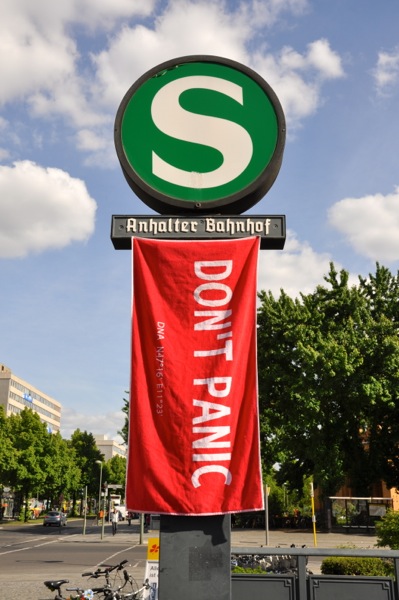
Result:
pixel 270 229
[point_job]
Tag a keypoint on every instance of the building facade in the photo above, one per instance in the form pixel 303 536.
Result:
pixel 17 394
pixel 109 448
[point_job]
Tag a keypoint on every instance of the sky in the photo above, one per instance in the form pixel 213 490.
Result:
pixel 65 295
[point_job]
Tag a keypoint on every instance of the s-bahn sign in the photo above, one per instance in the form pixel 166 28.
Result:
pixel 200 135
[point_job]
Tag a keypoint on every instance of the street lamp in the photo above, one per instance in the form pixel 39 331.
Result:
pixel 99 462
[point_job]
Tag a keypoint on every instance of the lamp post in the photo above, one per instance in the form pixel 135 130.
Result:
pixel 85 511
pixel 99 462
pixel 313 514
pixel 104 509
pixel 267 489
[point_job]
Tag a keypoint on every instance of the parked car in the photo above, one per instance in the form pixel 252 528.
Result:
pixel 55 517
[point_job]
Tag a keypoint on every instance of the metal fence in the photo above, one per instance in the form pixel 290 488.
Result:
pixel 299 584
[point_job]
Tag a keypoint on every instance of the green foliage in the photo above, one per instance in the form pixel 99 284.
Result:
pixel 30 439
pixel 8 455
pixel 116 470
pixel 34 461
pixel 26 441
pixel 249 571
pixel 124 432
pixel 281 500
pixel 62 471
pixel 357 565
pixel 328 366
pixel 86 452
pixel 387 530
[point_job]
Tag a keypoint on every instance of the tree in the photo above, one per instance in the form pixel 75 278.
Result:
pixel 86 453
pixel 116 470
pixel 30 442
pixel 381 381
pixel 328 369
pixel 62 471
pixel 124 432
pixel 8 457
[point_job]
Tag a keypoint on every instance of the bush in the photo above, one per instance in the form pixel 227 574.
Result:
pixel 388 530
pixel 356 565
pixel 249 570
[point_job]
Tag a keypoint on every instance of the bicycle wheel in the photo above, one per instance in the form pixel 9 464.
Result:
pixel 131 587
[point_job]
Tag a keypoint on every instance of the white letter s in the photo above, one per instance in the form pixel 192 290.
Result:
pixel 232 140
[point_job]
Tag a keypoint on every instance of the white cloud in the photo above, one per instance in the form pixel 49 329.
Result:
pixel 184 28
pixel 104 13
pixel 48 15
pixel 370 224
pixel 386 73
pixel 69 99
pixel 297 268
pixel 298 78
pixel 88 140
pixel 98 424
pixel 41 209
pixel 50 67
pixel 324 60
pixel 43 58
pixel 35 58
pixel 260 13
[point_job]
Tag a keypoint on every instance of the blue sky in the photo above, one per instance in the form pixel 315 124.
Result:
pixel 65 292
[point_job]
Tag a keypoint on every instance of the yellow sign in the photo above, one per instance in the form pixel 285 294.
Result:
pixel 153 549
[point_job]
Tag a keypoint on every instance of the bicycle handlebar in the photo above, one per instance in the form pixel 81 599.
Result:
pixel 107 569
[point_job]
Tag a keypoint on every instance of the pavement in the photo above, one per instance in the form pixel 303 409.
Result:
pixel 259 538
pixel 299 537
pixel 255 538
pixel 246 538
pixel 282 538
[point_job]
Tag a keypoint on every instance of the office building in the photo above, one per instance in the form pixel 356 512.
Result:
pixel 109 448
pixel 17 394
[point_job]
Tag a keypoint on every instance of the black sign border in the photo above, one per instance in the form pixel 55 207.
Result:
pixel 235 203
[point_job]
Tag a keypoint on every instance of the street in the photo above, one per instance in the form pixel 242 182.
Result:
pixel 31 554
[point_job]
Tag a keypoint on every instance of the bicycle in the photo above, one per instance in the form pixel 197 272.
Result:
pixel 138 593
pixel 106 572
pixel 112 591
pixel 117 593
pixel 55 586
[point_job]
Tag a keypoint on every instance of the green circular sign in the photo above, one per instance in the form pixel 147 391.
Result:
pixel 200 134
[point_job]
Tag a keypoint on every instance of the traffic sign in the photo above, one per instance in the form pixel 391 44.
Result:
pixel 200 134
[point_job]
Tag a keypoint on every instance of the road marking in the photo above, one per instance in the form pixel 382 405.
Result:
pixel 115 554
pixel 52 541
pixel 17 550
pixel 22 542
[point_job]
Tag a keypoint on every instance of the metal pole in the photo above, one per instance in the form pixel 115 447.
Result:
pixel 141 520
pixel 85 511
pixel 267 514
pixel 104 509
pixel 313 515
pixel 99 462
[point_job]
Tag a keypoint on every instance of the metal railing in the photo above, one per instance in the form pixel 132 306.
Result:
pixel 302 588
